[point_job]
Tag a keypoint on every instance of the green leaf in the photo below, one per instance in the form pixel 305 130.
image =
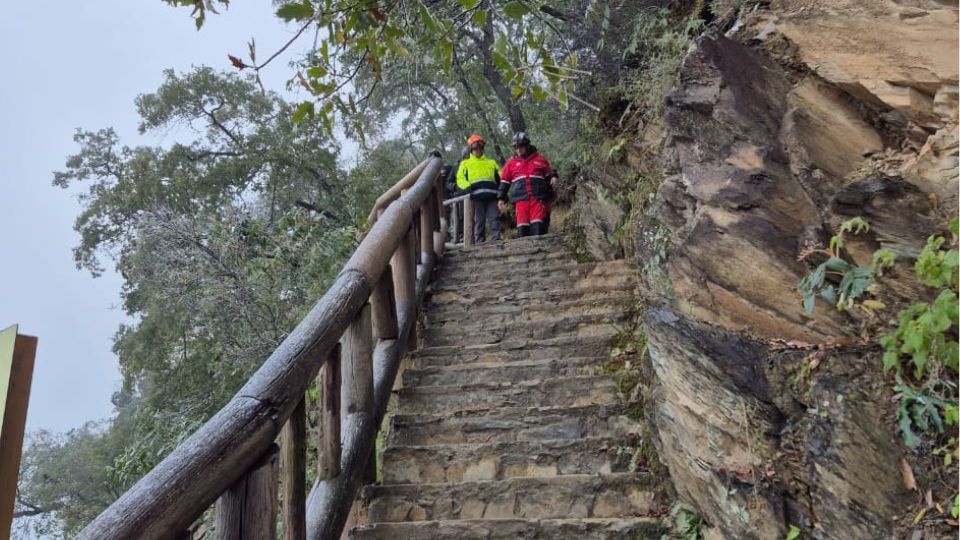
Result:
pixel 891 360
pixel 906 429
pixel 517 92
pixel 808 302
pixel 479 18
pixel 539 94
pixel 447 55
pixel 837 264
pixel 469 4
pixel 793 533
pixel 515 10
pixel 428 19
pixel 829 293
pixel 302 111
pixel 316 72
pixel 296 11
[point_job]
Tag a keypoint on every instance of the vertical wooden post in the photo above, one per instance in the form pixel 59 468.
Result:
pixel 417 219
pixel 19 352
pixel 468 222
pixel 403 269
pixel 293 462
pixel 455 216
pixel 357 385
pixel 426 230
pixel 439 224
pixel 328 458
pixel 384 306
pixel 248 510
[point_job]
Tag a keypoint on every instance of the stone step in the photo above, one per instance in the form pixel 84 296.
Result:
pixel 569 496
pixel 538 315
pixel 636 528
pixel 551 241
pixel 513 279
pixel 511 310
pixel 440 304
pixel 504 372
pixel 581 326
pixel 508 258
pixel 512 266
pixel 515 349
pixel 570 392
pixel 453 463
pixel 516 424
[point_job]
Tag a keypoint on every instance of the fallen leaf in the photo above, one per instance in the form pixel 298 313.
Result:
pixel 920 515
pixel 928 497
pixel 909 482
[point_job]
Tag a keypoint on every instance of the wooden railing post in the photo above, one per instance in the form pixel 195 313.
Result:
pixel 328 450
pixel 384 307
pixel 455 216
pixel 404 272
pixel 249 508
pixel 293 466
pixel 357 385
pixel 467 222
pixel 439 223
pixel 426 230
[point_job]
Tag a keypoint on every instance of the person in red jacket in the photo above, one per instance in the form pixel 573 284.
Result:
pixel 528 181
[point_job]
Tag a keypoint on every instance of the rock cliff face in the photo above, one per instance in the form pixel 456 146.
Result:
pixel 805 114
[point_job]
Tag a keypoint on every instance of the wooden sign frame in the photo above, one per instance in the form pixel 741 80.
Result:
pixel 14 421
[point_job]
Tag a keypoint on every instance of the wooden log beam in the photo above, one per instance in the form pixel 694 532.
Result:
pixel 293 466
pixel 248 510
pixel 211 460
pixel 329 446
pixel 467 223
pixel 395 192
pixel 329 502
pixel 357 365
pixel 426 229
pixel 383 306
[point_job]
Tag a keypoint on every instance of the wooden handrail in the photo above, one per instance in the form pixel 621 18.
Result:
pixel 224 450
pixel 455 200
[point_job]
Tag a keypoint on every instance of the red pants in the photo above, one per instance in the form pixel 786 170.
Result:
pixel 530 211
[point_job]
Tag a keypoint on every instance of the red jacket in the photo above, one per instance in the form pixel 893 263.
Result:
pixel 526 178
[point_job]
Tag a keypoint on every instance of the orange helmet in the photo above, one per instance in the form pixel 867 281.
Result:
pixel 475 139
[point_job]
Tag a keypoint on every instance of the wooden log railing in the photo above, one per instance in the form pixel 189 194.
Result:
pixel 461 218
pixel 354 337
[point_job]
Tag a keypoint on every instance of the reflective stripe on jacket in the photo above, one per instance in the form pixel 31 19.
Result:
pixel 526 178
pixel 480 175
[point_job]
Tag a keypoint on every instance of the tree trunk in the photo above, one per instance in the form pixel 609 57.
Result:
pixel 517 121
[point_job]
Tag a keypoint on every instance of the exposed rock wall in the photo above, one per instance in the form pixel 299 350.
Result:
pixel 809 113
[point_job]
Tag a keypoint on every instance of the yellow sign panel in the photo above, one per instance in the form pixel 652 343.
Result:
pixel 7 340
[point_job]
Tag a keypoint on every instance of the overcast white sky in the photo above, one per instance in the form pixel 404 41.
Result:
pixel 70 64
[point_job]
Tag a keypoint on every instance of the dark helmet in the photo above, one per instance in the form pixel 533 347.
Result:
pixel 521 139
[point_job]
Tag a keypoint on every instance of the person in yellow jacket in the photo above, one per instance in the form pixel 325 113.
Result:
pixel 480 175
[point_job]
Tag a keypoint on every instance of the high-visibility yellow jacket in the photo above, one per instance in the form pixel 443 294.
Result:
pixel 480 175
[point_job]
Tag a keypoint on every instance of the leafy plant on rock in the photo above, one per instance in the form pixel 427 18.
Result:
pixel 853 280
pixel 924 346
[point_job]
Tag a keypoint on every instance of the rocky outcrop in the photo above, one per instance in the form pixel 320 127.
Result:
pixel 807 114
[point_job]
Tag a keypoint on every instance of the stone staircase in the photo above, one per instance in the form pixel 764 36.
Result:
pixel 506 425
